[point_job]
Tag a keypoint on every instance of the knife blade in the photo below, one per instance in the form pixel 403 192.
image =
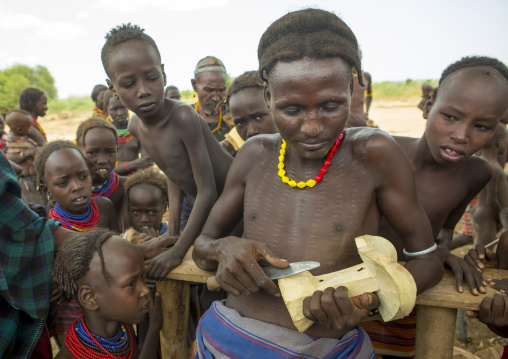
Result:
pixel 274 272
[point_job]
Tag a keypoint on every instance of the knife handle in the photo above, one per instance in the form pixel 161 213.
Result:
pixel 212 284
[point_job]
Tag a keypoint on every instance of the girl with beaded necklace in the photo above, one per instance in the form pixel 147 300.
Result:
pixel 63 176
pixel 98 141
pixel 104 274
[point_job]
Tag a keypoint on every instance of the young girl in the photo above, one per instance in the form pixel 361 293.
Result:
pixel 34 101
pixel 129 147
pixel 147 198
pixel 97 97
pixel 63 177
pixel 104 274
pixel 98 141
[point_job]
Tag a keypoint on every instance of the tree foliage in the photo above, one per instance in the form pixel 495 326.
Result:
pixel 16 78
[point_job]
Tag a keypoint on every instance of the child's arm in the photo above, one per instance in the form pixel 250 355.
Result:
pixel 175 199
pixel 398 202
pixel 151 344
pixel 460 267
pixel 35 135
pixel 18 157
pixel 190 131
pixel 124 168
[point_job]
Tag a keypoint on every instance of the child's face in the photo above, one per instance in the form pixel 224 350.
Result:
pixel 463 116
pixel 138 78
pixel 118 112
pixel 126 298
pixel 67 180
pixel 19 123
pixel 100 147
pixel 146 206
pixel 310 101
pixel 100 100
pixel 250 114
pixel 211 89
pixel 173 94
pixel 41 106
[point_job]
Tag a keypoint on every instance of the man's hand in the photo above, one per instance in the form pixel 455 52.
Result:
pixel 162 264
pixel 480 257
pixel 462 269
pixel 140 163
pixel 239 272
pixel 335 310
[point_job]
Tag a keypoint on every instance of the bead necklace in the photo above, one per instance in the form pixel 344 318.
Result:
pixel 83 344
pixel 76 222
pixel 310 183
pixel 124 135
pixel 109 186
pixel 220 117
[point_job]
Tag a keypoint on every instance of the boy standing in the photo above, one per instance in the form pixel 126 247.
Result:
pixel 175 137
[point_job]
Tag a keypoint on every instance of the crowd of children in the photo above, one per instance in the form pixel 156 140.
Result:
pixel 308 176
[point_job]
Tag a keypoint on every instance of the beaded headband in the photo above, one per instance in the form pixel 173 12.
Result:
pixel 209 63
pixel 210 68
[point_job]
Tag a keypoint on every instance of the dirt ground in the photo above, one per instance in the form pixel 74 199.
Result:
pixel 400 118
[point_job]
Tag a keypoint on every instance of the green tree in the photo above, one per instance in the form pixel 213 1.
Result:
pixel 16 78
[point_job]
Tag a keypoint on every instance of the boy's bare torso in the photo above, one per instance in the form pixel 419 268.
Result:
pixel 128 151
pixel 163 142
pixel 317 224
pixel 440 189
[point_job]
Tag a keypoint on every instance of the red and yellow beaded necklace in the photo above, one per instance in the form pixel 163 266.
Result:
pixel 319 177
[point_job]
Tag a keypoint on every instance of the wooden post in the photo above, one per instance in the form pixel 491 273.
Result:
pixel 175 296
pixel 435 332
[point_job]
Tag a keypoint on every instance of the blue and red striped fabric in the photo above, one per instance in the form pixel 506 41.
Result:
pixel 223 333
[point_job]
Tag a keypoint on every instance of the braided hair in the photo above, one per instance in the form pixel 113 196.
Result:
pixel 29 98
pixel 312 33
pixel 72 262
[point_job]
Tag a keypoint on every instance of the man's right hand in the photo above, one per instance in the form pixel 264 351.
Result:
pixel 238 271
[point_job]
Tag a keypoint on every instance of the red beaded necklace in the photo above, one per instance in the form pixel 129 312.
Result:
pixel 319 177
pixel 82 351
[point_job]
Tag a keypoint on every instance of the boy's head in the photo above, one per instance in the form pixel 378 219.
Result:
pixel 307 59
pixel 426 90
pixel 98 95
pixel 103 272
pixel 147 195
pixel 248 108
pixel 33 101
pixel 466 108
pixel 19 122
pixel 210 82
pixel 116 110
pixel 63 176
pixel 132 62
pixel 172 92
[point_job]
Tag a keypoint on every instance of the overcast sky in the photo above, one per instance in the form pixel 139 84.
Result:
pixel 400 39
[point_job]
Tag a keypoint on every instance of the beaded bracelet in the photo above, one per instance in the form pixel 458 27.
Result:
pixel 420 253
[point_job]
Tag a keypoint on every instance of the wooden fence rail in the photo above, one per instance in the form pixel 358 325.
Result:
pixel 436 311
